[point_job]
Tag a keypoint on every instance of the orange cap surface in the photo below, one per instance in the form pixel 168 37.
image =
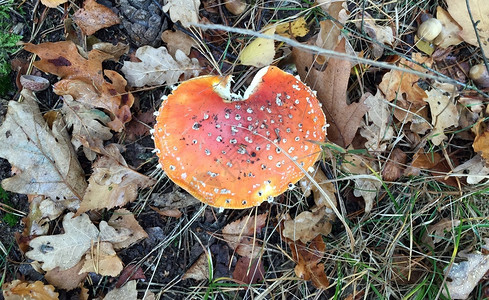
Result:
pixel 236 153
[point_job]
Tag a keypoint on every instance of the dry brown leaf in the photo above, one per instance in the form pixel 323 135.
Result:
pixel 403 85
pixel 199 270
pixel 395 165
pixel 382 34
pixel 44 160
pixel 127 291
pixel 177 40
pixel 331 86
pixel 249 271
pixel 240 235
pixel 480 13
pixel 116 51
pixel 465 276
pixel 18 290
pixel 66 279
pixel 113 183
pixel 185 11
pixel 444 113
pixel 122 218
pixel 84 79
pixel 322 180
pixel 481 141
pixel 378 132
pixel 434 162
pixel 476 167
pixel 308 263
pixel 102 259
pixel 329 35
pixel 87 124
pixel 158 67
pixel 307 225
pixel 93 17
pixel 435 233
pixel 130 272
pixel 449 35
pixel 173 213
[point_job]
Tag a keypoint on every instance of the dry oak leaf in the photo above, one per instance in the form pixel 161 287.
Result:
pixel 93 17
pixel 481 141
pixel 403 85
pixel 177 40
pixel 84 80
pixel 327 187
pixel 127 292
pixel 88 125
pixel 44 159
pixel 64 250
pixel 329 35
pixel 331 86
pixel 444 113
pixel 449 35
pixel 466 275
pixel 102 259
pixel 308 260
pixel 185 11
pixel 480 13
pixel 124 219
pixel 240 235
pixel 199 270
pixel 434 162
pixel 394 167
pixel 307 225
pixel 158 67
pixel 53 3
pixel 66 279
pixel 18 290
pixel 378 133
pixel 112 183
pixel 249 271
pixel 436 232
pixel 382 34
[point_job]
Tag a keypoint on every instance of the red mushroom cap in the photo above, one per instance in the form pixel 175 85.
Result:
pixel 235 152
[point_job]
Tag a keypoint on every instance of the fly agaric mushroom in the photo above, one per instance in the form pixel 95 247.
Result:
pixel 233 151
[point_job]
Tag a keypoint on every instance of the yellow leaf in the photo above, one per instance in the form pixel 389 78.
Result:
pixel 260 52
pixel 294 28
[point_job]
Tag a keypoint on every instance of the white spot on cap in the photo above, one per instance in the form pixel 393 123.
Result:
pixel 310 169
pixel 184 175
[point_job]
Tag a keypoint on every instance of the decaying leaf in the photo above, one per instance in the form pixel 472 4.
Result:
pixel 84 79
pixel 449 35
pixel 185 11
pixel 295 28
pixel 177 40
pixel 240 235
pixel 331 86
pixel 64 250
pixel 329 35
pixel 480 13
pixel 481 140
pixel 477 169
pixel 44 159
pixel 88 125
pixel 466 275
pixel 382 34
pixel 19 290
pixel 127 291
pixel 102 259
pixel 249 271
pixel 259 52
pixel 434 162
pixel 66 279
pixel 124 219
pixel 113 183
pixel 435 233
pixel 378 132
pixel 158 67
pixel 307 225
pixel 444 113
pixel 365 186
pixel 93 17
pixel 199 270
pixel 395 165
pixel 308 260
pixel 130 272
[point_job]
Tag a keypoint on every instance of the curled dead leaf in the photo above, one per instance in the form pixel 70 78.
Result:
pixel 94 16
